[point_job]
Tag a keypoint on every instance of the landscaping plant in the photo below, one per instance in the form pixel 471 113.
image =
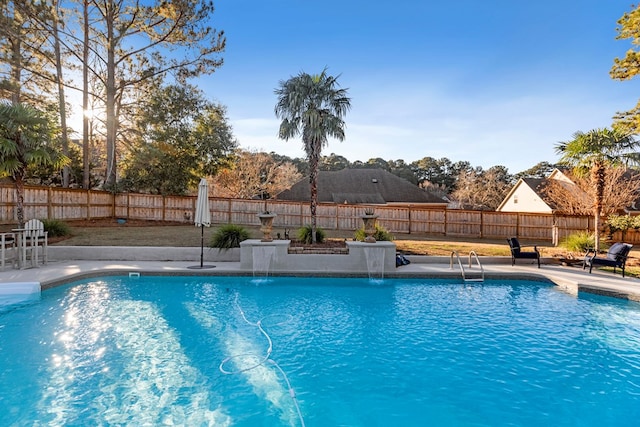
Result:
pixel 56 228
pixel 229 236
pixel 578 242
pixel 381 234
pixel 305 234
pixel 622 223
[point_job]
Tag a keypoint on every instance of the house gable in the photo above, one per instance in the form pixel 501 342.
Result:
pixel 525 196
pixel 558 175
pixel 528 194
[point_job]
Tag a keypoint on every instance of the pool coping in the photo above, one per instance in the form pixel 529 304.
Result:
pixel 570 279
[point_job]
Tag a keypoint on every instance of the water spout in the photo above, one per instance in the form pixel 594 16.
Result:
pixel 375 262
pixel 263 257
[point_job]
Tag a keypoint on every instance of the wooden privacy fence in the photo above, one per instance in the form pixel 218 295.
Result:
pixel 73 204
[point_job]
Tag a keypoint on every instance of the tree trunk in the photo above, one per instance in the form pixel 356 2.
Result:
pixel 85 98
pixel 598 178
pixel 19 182
pixel 111 123
pixel 61 97
pixel 313 186
pixel 16 58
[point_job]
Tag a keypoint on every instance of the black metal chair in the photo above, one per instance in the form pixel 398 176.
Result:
pixel 616 257
pixel 518 253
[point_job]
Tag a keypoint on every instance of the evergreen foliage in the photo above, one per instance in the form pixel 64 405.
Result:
pixel 25 134
pixel 229 236
pixel 305 235
pixel 591 153
pixel 314 107
pixel 182 137
pixel 381 234
pixel 578 242
pixel 56 228
pixel 628 67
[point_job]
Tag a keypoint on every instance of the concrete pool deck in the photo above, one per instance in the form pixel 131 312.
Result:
pixel 570 279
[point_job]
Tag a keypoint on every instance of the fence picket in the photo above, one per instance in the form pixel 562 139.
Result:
pixel 77 204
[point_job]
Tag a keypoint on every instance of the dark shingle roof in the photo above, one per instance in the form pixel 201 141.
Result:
pixel 374 186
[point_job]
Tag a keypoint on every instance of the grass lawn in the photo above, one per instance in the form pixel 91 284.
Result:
pixel 149 233
pixel 152 233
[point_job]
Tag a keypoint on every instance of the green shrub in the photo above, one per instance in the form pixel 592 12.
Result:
pixel 305 233
pixel 381 234
pixel 229 236
pixel 578 242
pixel 621 222
pixel 56 228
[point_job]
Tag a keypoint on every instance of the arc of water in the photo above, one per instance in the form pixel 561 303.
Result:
pixel 263 257
pixel 375 262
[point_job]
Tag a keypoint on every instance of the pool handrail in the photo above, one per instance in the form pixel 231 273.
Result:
pixel 462 269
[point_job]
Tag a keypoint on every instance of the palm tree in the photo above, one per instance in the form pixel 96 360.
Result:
pixel 591 152
pixel 24 132
pixel 314 106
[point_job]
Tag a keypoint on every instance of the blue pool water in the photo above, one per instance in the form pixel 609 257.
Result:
pixel 200 351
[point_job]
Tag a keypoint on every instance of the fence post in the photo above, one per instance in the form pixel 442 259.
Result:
pixel 301 216
pixel 88 216
pixel 49 202
pixel 445 222
pixel 109 204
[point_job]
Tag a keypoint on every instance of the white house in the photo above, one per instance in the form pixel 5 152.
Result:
pixel 528 195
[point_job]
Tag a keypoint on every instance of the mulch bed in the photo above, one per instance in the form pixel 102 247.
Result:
pixel 329 246
pixel 328 243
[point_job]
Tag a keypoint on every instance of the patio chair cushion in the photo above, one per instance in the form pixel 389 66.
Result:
pixel 616 257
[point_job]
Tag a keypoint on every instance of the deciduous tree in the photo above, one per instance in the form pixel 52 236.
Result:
pixel 482 190
pixel 591 153
pixel 254 174
pixel 620 191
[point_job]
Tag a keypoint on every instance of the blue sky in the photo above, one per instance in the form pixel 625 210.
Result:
pixel 495 82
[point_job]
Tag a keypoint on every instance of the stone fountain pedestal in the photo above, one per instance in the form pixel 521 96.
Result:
pixel 266 225
pixel 369 227
pixel 354 262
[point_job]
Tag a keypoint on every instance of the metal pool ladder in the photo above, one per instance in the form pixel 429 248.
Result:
pixel 473 255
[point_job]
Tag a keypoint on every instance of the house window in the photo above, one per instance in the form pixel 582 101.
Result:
pixel 515 199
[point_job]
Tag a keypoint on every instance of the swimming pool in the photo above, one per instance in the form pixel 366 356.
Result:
pixel 402 352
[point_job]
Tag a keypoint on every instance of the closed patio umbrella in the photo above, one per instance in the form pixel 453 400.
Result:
pixel 202 218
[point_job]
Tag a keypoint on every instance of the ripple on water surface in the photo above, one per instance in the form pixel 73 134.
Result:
pixel 400 352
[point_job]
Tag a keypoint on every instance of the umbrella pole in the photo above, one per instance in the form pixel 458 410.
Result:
pixel 201 245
